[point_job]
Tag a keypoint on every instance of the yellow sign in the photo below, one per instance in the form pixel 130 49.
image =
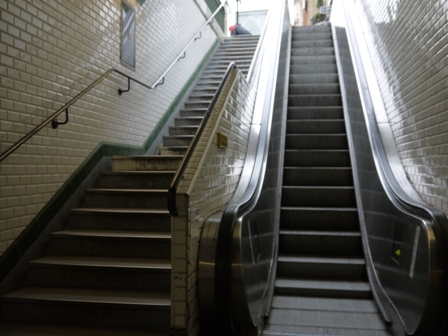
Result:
pixel 222 140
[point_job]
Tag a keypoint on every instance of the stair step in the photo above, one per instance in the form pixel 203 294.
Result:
pixel 122 244
pixel 315 196
pixel 305 267
pixel 317 158
pixel 310 44
pixel 322 288
pixel 312 36
pixel 177 140
pixel 88 308
pixel 315 112
pixel 188 121
pixel 316 89
pixel 297 60
pixel 315 219
pixel 320 243
pixel 304 51
pixel 10 329
pixel 136 179
pixel 325 316
pixel 173 150
pixel 315 126
pixel 126 198
pixel 310 30
pixel 316 141
pixel 198 104
pixel 146 163
pixel 314 79
pixel 193 112
pixel 317 176
pixel 118 219
pixel 136 274
pixel 183 130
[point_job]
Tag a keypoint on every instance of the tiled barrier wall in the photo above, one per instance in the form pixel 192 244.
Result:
pixel 209 183
pixel 50 50
pixel 407 42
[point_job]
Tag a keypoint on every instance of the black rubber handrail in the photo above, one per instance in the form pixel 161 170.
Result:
pixel 172 191
pixel 160 81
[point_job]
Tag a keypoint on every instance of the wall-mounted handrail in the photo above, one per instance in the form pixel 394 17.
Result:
pixel 183 52
pixel 172 191
pixel 52 119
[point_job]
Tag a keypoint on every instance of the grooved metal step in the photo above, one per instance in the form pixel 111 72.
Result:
pixel 317 126
pixel 314 89
pixel 318 176
pixel 321 285
pixel 319 219
pixel 320 288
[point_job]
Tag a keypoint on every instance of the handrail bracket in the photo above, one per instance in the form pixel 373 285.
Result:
pixel 55 123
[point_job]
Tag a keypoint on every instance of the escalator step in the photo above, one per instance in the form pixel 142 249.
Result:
pixel 320 243
pixel 318 196
pixel 325 268
pixel 326 219
pixel 322 288
pixel 317 176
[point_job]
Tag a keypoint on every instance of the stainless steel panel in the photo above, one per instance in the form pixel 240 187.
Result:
pixel 405 261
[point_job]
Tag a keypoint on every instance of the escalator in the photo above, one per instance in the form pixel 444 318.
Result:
pixel 321 284
pixel 322 239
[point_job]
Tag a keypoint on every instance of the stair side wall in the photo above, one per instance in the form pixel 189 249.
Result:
pixel 50 51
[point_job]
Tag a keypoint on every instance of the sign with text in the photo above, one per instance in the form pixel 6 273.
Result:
pixel 325 10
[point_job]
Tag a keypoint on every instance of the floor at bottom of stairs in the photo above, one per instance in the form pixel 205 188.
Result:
pixel 41 330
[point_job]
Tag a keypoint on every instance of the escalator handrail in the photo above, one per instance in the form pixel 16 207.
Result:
pixel 247 193
pixel 388 176
pixel 382 158
pixel 172 191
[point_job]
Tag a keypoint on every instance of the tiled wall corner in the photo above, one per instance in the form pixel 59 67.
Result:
pixel 407 42
pixel 50 50
pixel 213 174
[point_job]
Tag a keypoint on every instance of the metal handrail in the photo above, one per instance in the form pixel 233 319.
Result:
pixel 183 52
pixel 52 119
pixel 172 191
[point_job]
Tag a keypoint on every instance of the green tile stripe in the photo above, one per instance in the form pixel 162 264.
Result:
pixel 30 234
pixel 220 17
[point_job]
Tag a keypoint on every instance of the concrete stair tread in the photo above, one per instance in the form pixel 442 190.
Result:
pixel 185 136
pixel 118 211
pixel 91 296
pixel 323 284
pixel 112 234
pixel 321 260
pixel 11 329
pixel 143 263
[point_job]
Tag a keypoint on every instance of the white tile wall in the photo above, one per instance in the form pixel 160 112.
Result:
pixel 208 185
pixel 52 49
pixel 408 47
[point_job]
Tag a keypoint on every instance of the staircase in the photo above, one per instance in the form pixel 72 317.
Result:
pixel 321 285
pixel 109 271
